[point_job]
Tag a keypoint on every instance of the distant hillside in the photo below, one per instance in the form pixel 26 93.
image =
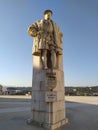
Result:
pixel 69 90
pixel 19 88
pixel 82 91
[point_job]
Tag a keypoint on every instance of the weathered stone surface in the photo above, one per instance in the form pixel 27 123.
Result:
pixel 52 112
pixel 55 107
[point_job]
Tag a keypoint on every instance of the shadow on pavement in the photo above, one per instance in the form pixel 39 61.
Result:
pixel 15 99
pixel 81 116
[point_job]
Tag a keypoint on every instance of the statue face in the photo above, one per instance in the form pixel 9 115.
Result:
pixel 47 16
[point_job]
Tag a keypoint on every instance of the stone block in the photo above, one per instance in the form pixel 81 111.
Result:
pixel 55 126
pixel 42 117
pixel 42 86
pixel 36 86
pixel 36 64
pixel 36 95
pixel 35 105
pixel 42 106
pixel 60 95
pixel 42 95
pixel 55 106
pixel 36 116
pixel 54 117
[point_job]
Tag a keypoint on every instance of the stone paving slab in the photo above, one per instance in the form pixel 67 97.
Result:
pixel 16 121
pixel 81 116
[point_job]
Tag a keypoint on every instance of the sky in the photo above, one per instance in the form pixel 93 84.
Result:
pixel 77 19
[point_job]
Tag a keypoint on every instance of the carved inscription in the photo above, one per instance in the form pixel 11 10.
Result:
pixel 51 81
pixel 51 96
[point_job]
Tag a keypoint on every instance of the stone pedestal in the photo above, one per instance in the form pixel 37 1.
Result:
pixel 48 100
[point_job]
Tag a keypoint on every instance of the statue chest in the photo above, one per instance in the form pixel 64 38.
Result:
pixel 47 26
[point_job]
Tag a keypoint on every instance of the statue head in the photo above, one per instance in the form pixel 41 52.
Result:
pixel 47 14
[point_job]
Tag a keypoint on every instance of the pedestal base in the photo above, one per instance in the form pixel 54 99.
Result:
pixel 48 112
pixel 55 126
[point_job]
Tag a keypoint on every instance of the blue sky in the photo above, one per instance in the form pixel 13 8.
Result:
pixel 77 19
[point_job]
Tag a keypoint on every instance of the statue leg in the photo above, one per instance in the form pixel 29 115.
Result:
pixel 53 59
pixel 44 59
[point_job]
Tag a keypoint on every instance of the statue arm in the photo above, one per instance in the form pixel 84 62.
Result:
pixel 58 35
pixel 33 30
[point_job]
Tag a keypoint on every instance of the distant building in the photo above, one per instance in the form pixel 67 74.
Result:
pixel 15 91
pixel 11 91
pixel 4 91
pixel 95 94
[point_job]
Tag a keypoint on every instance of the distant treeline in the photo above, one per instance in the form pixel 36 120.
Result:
pixel 74 91
pixel 81 91
pixel 71 91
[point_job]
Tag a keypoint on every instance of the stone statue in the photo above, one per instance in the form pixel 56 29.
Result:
pixel 48 99
pixel 47 41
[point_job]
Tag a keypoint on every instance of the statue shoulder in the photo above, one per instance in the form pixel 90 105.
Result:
pixel 53 22
pixel 39 21
pixel 55 25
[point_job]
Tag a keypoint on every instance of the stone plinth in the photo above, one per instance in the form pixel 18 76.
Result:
pixel 48 105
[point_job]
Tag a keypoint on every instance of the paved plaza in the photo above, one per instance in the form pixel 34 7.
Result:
pixel 82 113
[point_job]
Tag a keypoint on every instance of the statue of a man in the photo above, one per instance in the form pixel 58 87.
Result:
pixel 47 40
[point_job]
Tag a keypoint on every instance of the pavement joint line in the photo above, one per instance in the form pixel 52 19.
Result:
pixel 18 109
pixel 15 103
